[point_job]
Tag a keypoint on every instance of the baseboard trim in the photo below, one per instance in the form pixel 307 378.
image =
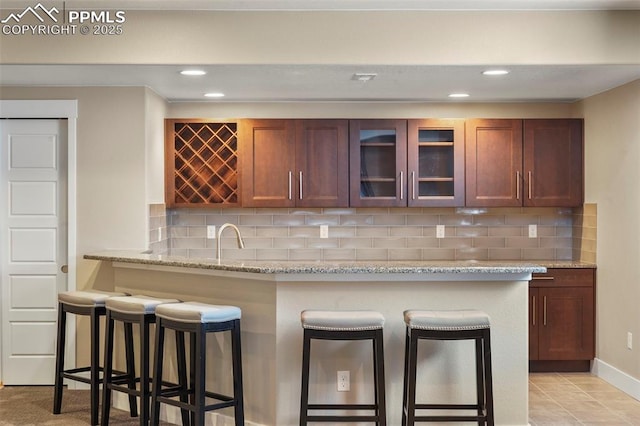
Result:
pixel 626 383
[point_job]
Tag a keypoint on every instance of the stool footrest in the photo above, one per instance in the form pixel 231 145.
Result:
pixel 76 378
pixel 341 406
pixel 339 419
pixel 79 370
pixel 125 389
pixel 447 407
pixel 166 399
pixel 173 391
pixel 449 418
pixel 218 396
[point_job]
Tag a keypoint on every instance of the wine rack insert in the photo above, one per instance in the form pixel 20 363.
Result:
pixel 202 163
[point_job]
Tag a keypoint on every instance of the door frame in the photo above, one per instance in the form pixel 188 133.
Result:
pixel 56 109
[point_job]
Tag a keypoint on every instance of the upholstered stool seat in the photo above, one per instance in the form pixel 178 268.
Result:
pixel 342 320
pixel 447 320
pixel 344 325
pixel 131 310
pixel 448 325
pixel 88 303
pixel 197 319
pixel 87 298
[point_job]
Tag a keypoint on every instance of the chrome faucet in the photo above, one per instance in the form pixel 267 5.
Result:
pixel 238 236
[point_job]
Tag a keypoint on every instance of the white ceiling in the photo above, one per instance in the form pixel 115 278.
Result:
pixel 257 83
pixel 335 83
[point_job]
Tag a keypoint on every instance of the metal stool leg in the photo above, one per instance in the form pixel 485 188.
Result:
pixel 378 367
pixel 95 366
pixel 182 376
pixel 131 367
pixel 60 347
pixel 157 373
pixel 406 376
pixel 236 354
pixel 108 369
pixel 145 393
pixel 488 374
pixel 200 358
pixel 304 394
pixel 480 382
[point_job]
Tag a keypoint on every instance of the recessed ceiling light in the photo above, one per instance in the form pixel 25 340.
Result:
pixel 362 76
pixel 495 72
pixel 459 95
pixel 193 72
pixel 214 95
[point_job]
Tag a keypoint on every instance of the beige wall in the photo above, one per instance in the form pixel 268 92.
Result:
pixel 155 113
pixel 612 138
pixel 111 193
pixel 391 37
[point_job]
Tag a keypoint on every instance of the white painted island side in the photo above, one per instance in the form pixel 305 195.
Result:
pixel 272 295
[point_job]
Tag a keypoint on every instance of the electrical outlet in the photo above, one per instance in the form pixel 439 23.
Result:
pixel 533 231
pixel 439 231
pixel 159 234
pixel 324 231
pixel 344 384
pixel 211 232
pixel 629 340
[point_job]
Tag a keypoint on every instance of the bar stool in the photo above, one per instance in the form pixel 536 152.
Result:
pixel 197 319
pixel 448 325
pixel 344 325
pixel 130 310
pixel 92 304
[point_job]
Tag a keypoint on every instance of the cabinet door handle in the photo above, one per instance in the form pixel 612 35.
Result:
pixel 530 183
pixel 301 184
pixel 542 278
pixel 290 175
pixel 534 310
pixel 517 185
pixel 402 185
pixel 413 185
pixel 544 311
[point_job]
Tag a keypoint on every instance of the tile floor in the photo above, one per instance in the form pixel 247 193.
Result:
pixel 578 399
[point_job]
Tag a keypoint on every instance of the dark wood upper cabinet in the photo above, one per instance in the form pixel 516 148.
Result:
pixel 374 163
pixel 553 162
pixel 378 157
pixel 201 163
pixel 493 162
pixel 268 161
pixel 533 162
pixel 435 163
pixel 290 163
pixel 322 163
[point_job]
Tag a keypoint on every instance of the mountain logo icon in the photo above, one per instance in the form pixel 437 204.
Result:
pixel 39 11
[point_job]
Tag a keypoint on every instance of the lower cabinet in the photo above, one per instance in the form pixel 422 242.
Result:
pixel 562 320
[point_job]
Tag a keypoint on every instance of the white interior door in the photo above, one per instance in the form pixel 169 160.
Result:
pixel 33 246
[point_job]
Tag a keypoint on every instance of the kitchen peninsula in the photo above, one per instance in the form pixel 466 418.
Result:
pixel 272 295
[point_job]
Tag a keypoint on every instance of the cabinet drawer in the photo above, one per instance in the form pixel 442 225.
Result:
pixel 565 277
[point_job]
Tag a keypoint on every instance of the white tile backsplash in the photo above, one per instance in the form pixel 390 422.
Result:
pixel 377 233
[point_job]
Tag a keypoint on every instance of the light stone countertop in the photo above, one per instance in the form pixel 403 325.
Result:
pixel 331 267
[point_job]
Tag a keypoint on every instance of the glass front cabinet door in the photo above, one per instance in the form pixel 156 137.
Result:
pixel 378 154
pixel 435 162
pixel 415 163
